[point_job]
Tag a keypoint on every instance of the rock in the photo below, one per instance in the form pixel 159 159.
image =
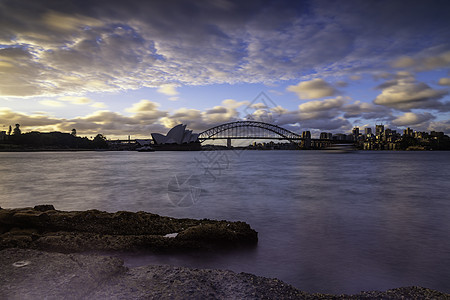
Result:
pixel 30 274
pixel 44 207
pixel 45 228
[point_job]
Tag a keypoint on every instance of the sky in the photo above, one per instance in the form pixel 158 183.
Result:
pixel 132 67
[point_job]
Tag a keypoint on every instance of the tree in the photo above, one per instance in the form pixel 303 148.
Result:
pixel 17 130
pixel 99 142
pixel 10 129
pixel 407 141
pixel 74 132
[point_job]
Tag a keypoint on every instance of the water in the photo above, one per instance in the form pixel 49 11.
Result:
pixel 327 222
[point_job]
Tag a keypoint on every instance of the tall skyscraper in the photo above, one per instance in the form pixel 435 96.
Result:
pixel 368 131
pixel 379 129
pixel 408 131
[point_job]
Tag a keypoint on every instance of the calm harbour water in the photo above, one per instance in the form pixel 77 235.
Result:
pixel 327 222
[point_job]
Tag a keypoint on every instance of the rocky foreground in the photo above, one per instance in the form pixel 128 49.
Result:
pixel 45 228
pixel 32 274
pixel 28 272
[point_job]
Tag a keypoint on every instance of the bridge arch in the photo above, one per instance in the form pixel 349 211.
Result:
pixel 217 132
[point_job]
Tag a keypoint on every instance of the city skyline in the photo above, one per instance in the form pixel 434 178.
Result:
pixel 138 67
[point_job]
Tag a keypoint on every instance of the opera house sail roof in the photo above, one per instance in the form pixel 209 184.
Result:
pixel 177 135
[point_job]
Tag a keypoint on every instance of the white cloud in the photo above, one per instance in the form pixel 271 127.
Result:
pixel 143 106
pixel 323 105
pixel 444 81
pixel 99 105
pixel 424 61
pixel 410 118
pixel 52 103
pixel 168 89
pixel 76 100
pixel 313 89
pixel 407 93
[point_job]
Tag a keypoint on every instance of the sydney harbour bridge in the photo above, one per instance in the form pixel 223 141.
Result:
pixel 254 130
pixel 249 130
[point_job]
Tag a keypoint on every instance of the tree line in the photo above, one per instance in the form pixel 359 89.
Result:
pixel 54 140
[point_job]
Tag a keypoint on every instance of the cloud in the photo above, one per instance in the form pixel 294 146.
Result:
pixel 146 112
pixel 439 126
pixel 52 103
pixel 99 105
pixel 201 120
pixel 9 117
pixel 324 105
pixel 407 93
pixel 76 100
pixel 409 119
pixel 424 62
pixel 64 22
pixel 231 103
pixel 366 110
pixel 313 89
pixel 168 89
pixel 53 49
pixel 143 106
pixel 444 81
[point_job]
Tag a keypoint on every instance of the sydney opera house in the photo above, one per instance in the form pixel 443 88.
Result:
pixel 178 138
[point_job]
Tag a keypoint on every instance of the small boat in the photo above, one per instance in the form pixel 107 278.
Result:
pixel 145 149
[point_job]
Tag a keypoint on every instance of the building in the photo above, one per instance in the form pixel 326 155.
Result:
pixel 408 132
pixel 379 130
pixel 306 142
pixel 177 139
pixel 306 134
pixel 177 135
pixel 368 131
pixel 2 135
pixel 326 136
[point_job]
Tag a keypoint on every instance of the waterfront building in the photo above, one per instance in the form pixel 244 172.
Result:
pixel 368 131
pixel 306 134
pixel 326 136
pixel 177 135
pixel 340 137
pixel 355 133
pixel 306 142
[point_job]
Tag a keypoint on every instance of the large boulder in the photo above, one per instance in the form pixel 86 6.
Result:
pixel 43 227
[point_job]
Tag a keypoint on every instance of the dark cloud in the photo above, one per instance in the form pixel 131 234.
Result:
pixel 367 111
pixel 98 45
